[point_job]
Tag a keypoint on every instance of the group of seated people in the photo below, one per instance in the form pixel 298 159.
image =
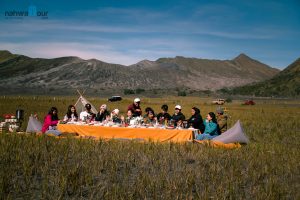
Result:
pixel 209 128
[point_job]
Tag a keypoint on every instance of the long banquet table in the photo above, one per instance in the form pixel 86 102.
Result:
pixel 153 134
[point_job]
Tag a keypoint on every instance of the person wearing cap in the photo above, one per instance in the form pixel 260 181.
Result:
pixel 103 112
pixel 177 115
pixel 87 114
pixel 196 120
pixel 222 120
pixel 115 116
pixel 164 115
pixel 135 107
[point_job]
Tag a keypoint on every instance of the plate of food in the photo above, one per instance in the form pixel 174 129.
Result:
pixel 170 127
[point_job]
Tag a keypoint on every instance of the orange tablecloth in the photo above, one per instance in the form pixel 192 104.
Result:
pixel 161 135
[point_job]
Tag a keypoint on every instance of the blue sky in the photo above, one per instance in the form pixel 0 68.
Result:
pixel 127 31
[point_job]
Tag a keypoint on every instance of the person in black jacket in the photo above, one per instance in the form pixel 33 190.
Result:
pixel 177 115
pixel 196 120
pixel 103 112
pixel 164 115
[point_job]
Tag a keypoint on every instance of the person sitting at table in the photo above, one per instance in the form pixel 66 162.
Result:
pixel 87 114
pixel 211 128
pixel 71 115
pixel 164 116
pixel 115 116
pixel 177 115
pixel 179 124
pixel 150 119
pixel 103 112
pixel 147 110
pixel 129 119
pixel 136 107
pixel 50 122
pixel 196 121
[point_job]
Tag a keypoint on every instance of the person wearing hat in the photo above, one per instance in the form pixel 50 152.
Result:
pixel 103 112
pixel 87 114
pixel 135 107
pixel 115 116
pixel 178 115
pixel 222 120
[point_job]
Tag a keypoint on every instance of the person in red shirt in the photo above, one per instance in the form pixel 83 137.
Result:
pixel 135 107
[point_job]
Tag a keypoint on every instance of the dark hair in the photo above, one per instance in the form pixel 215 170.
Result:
pixel 213 116
pixel 149 109
pixel 88 106
pixel 165 107
pixel 197 110
pixel 214 120
pixel 53 117
pixel 69 112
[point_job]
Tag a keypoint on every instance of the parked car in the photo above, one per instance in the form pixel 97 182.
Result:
pixel 249 102
pixel 114 98
pixel 218 101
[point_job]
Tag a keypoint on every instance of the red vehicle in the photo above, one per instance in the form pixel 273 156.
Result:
pixel 249 102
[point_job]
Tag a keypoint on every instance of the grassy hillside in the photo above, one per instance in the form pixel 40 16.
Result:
pixel 49 168
pixel 284 84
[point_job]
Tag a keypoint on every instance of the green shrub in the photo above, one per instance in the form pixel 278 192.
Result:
pixel 128 91
pixel 181 93
pixel 139 90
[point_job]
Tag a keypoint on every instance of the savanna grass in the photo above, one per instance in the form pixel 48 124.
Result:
pixel 44 167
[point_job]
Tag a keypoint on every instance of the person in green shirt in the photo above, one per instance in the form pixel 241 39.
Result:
pixel 211 128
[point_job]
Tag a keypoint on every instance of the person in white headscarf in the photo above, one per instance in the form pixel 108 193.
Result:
pixel 103 112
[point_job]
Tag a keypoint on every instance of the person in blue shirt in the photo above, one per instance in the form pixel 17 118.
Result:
pixel 211 128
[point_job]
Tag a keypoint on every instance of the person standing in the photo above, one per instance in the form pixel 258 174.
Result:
pixel 136 107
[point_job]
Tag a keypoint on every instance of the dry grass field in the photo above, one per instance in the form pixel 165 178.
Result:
pixel 44 167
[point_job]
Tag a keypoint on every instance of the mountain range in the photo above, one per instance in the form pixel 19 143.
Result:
pixel 20 73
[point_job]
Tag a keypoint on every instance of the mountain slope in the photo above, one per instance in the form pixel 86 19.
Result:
pixel 284 84
pixel 18 71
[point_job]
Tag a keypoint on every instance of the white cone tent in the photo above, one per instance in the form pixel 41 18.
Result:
pixel 81 102
pixel 34 125
pixel 232 135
